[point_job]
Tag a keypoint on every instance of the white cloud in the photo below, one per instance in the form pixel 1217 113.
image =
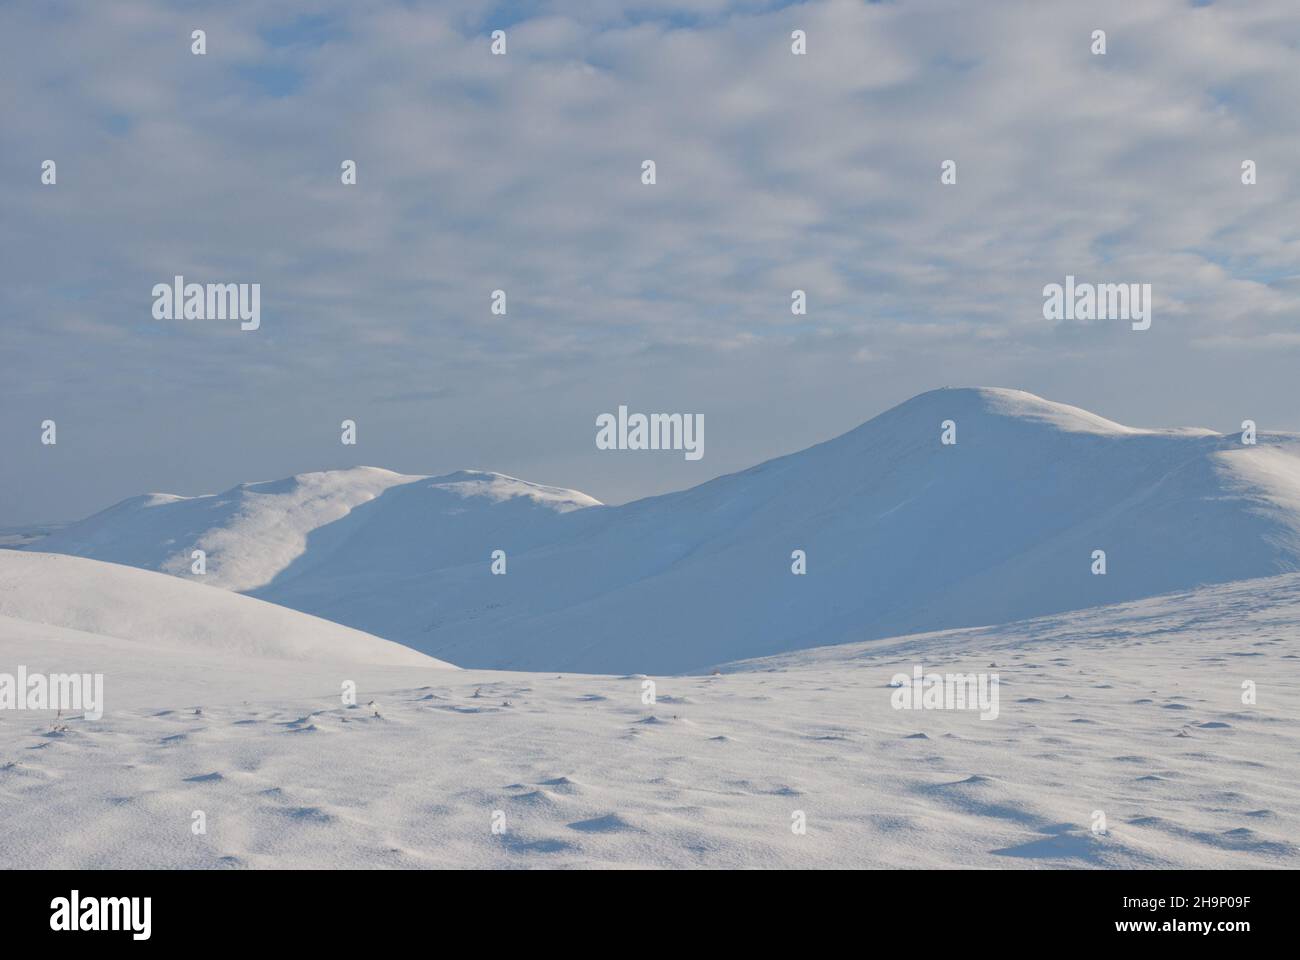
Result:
pixel 522 173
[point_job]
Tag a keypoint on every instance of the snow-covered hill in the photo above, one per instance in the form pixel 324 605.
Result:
pixel 1135 711
pixel 902 534
pixel 42 594
pixel 256 532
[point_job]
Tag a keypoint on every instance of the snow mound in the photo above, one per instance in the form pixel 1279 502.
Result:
pixel 70 593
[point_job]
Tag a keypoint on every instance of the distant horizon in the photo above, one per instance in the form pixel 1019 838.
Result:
pixel 22 524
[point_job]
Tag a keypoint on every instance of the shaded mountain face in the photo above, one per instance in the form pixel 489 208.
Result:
pixel 336 522
pixel 902 533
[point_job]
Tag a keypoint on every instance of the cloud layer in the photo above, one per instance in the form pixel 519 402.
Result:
pixel 522 173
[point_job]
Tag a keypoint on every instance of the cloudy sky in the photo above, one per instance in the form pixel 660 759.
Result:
pixel 523 172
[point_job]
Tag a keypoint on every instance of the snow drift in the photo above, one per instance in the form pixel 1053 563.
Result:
pixel 107 600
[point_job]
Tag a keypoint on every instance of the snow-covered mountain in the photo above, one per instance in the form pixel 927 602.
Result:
pixel 257 532
pixel 902 534
pixel 43 595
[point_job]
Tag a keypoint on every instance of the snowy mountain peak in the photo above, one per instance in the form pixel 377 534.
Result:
pixel 499 487
pixel 1002 403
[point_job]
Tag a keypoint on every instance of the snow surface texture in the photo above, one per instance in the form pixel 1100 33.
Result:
pixel 1133 710
pixel 901 533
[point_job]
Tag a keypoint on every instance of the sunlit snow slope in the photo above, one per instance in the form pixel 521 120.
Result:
pixel 47 593
pixel 1134 710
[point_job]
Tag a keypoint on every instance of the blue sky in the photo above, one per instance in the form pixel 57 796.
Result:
pixel 521 173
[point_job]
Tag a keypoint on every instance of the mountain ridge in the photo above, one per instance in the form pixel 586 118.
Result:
pixel 902 533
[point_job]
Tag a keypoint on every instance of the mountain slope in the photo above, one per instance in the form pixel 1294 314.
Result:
pixel 58 593
pixel 256 532
pixel 902 534
pixel 1134 710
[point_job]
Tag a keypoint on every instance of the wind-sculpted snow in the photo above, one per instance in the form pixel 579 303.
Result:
pixel 901 532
